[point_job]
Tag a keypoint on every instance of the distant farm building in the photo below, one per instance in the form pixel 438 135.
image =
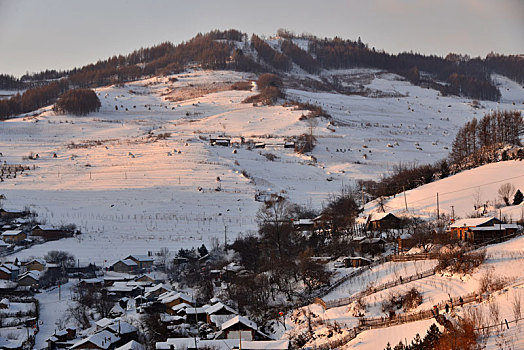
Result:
pixel 50 233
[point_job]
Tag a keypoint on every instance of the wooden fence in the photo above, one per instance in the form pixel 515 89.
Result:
pixel 345 301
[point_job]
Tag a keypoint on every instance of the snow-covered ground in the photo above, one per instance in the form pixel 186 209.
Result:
pixel 461 192
pixel 126 185
pixel 434 289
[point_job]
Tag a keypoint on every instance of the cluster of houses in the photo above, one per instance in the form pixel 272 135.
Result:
pixel 108 334
pixel 26 273
pixel 149 293
pixel 17 230
pixel 379 227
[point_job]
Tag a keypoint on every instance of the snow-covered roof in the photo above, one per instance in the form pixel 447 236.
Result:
pixel 157 287
pixel 303 222
pixel 132 345
pixel 496 227
pixel 195 310
pixel 3 244
pixel 11 233
pixel 92 280
pixel 104 322
pixel 217 307
pixel 378 216
pixel 11 267
pixel 34 274
pixel 239 319
pixel 44 227
pixel 180 306
pixel 36 260
pixel 122 327
pixel 128 262
pixel 171 296
pixel 471 222
pixel 141 258
pixel 102 339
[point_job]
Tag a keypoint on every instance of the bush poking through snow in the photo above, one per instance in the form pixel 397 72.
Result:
pixel 489 282
pixel 459 261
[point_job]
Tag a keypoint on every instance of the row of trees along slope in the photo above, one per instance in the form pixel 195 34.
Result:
pixel 228 49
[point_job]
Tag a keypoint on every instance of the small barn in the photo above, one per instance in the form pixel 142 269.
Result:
pixel 383 222
pixel 13 236
pixel 50 233
pixel 125 266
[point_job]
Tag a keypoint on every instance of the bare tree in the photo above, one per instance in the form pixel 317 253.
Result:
pixel 506 191
pixel 477 198
pixel 516 306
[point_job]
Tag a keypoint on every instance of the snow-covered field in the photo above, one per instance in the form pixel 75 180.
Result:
pixel 131 189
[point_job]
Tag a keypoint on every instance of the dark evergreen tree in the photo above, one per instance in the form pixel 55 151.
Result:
pixel 518 198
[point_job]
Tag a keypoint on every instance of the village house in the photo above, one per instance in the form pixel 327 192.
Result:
pixel 125 331
pixel 171 299
pixel 132 345
pixel 241 327
pixel 355 261
pixel 103 340
pixel 125 266
pixel 9 272
pixel 50 233
pixel 194 314
pixel 303 225
pixel 478 230
pixel 13 236
pixel 143 261
pixel 62 339
pixel 30 279
pixel 219 313
pixel 382 222
pixel 35 264
pixel 155 291
pixel 364 245
pixel 9 214
pixel 178 309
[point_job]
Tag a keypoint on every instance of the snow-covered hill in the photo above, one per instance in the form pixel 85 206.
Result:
pixel 461 193
pixel 141 173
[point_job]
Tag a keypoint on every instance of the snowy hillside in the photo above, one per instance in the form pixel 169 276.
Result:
pixel 141 173
pixel 436 289
pixel 463 191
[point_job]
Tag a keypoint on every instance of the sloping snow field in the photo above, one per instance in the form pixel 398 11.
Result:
pixel 141 174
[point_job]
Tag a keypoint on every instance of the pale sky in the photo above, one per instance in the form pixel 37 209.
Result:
pixel 62 34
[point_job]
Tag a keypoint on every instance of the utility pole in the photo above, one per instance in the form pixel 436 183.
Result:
pixel 225 238
pixel 405 199
pixel 438 213
pixel 196 319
